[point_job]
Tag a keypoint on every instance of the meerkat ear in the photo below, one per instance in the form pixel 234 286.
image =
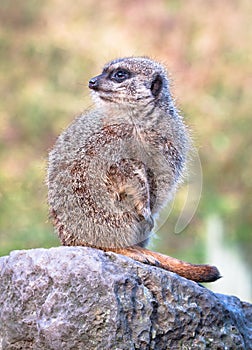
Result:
pixel 156 85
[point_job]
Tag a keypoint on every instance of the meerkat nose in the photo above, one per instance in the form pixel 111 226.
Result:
pixel 93 83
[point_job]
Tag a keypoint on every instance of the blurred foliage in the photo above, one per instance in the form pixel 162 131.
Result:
pixel 49 50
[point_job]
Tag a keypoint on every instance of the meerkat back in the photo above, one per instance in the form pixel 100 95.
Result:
pixel 114 167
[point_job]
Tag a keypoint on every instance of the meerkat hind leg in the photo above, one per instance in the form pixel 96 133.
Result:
pixel 197 273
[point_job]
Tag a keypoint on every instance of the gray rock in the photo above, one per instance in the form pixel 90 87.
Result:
pixel 83 298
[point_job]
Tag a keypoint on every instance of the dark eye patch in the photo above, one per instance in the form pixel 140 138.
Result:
pixel 119 75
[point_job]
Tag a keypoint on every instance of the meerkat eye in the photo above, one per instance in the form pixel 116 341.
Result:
pixel 120 75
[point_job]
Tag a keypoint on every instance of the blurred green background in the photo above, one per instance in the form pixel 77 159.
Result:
pixel 48 52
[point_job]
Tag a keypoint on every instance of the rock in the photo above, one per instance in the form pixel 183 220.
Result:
pixel 82 298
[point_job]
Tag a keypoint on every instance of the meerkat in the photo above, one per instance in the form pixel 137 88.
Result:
pixel 114 168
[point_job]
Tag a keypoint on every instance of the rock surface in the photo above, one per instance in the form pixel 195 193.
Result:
pixel 82 298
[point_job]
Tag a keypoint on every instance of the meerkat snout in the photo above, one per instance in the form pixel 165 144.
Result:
pixel 94 83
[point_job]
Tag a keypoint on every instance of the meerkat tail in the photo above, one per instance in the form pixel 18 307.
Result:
pixel 197 273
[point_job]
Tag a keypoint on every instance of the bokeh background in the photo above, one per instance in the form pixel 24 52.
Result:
pixel 49 49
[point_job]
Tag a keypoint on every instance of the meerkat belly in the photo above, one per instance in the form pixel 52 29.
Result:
pixel 101 192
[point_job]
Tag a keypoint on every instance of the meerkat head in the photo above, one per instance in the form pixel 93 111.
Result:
pixel 132 82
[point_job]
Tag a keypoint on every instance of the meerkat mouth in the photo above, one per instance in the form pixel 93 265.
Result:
pixel 100 89
pixel 112 96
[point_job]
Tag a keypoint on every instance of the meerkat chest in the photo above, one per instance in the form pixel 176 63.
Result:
pixel 118 139
pixel 157 139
